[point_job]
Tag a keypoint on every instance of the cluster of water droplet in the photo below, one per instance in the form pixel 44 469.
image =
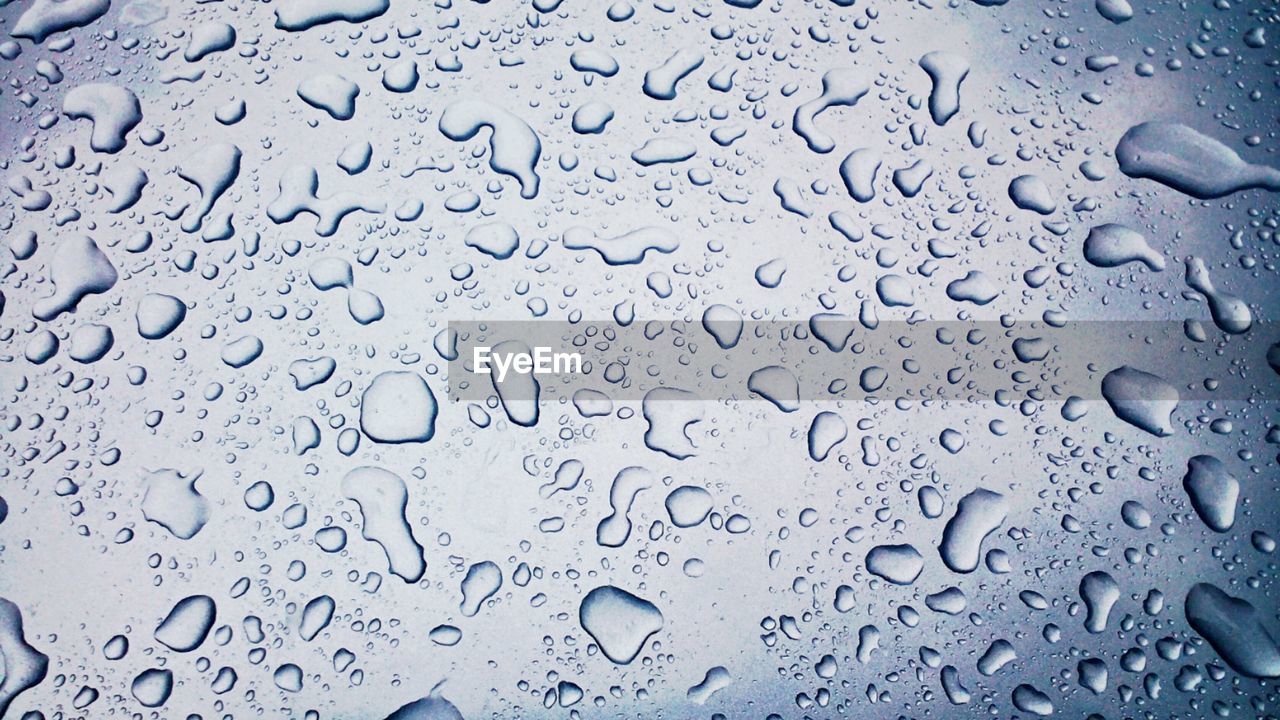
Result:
pixel 238 238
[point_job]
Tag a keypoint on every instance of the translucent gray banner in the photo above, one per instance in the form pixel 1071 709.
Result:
pixel 835 357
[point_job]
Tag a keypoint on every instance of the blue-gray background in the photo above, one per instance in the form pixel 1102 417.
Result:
pixel 83 562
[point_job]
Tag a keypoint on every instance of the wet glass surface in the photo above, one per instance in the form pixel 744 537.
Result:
pixel 928 359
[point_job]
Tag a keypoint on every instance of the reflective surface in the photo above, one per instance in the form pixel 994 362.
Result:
pixel 931 367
